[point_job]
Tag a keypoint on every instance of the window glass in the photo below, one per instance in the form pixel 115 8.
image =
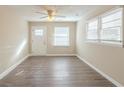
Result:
pixel 111 27
pixel 61 36
pixel 92 30
pixel 38 32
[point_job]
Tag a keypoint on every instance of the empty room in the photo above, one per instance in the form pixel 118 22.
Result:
pixel 61 45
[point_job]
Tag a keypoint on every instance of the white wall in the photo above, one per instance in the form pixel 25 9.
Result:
pixel 108 59
pixel 13 37
pixel 50 31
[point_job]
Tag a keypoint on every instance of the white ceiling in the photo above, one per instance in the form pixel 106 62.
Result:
pixel 72 12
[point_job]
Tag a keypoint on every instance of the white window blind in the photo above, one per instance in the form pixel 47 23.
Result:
pixel 107 28
pixel 92 28
pixel 111 25
pixel 61 36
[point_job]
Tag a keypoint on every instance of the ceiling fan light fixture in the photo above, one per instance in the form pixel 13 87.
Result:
pixel 50 18
pixel 50 15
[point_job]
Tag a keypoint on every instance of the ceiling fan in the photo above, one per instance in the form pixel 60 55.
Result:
pixel 50 15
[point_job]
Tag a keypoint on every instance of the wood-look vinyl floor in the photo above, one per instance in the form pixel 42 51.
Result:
pixel 54 72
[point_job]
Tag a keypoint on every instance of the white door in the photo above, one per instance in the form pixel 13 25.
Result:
pixel 39 46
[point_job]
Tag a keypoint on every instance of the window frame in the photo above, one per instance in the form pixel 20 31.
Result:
pixel 68 36
pixel 99 41
pixel 91 20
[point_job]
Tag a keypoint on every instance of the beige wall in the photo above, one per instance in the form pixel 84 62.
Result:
pixel 14 43
pixel 50 30
pixel 108 59
pixel 13 38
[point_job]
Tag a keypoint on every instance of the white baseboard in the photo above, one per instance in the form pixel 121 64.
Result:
pixel 54 55
pixel 61 55
pixel 100 72
pixel 6 72
pixel 36 55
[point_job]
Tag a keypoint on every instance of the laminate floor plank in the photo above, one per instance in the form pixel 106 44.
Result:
pixel 50 71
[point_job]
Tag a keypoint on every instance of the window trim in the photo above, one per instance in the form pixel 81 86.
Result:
pixel 68 36
pixel 99 41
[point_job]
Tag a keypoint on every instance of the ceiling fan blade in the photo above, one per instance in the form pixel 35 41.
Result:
pixel 60 16
pixel 41 13
pixel 43 17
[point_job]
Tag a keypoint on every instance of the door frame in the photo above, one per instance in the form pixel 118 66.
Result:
pixel 45 30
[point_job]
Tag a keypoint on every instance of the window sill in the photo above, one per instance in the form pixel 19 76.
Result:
pixel 113 44
pixel 90 41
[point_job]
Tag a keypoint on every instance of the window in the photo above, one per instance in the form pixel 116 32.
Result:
pixel 111 25
pixel 61 36
pixel 107 28
pixel 92 28
pixel 38 32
